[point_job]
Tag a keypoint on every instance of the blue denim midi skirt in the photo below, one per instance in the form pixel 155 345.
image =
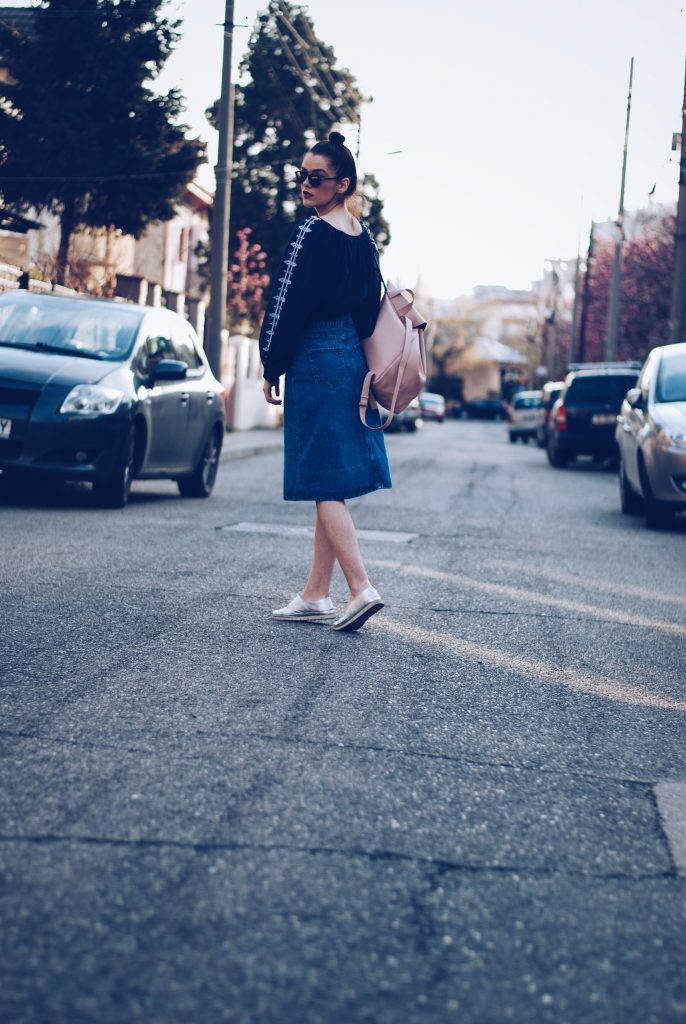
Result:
pixel 328 454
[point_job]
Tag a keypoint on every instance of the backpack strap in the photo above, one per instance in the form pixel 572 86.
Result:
pixel 367 395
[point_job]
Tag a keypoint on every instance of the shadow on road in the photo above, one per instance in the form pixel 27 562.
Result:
pixel 68 495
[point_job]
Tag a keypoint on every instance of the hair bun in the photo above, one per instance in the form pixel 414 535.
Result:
pixel 337 139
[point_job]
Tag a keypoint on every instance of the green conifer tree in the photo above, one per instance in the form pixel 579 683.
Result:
pixel 82 133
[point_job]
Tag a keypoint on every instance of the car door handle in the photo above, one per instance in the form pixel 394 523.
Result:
pixel 184 397
pixel 209 395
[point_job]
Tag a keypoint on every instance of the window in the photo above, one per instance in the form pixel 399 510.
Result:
pixel 594 390
pixel 671 381
pixel 158 345
pixel 106 330
pixel 528 402
pixel 183 245
pixel 184 343
pixel 647 374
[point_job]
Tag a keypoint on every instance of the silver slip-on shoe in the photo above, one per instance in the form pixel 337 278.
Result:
pixel 300 610
pixel 359 609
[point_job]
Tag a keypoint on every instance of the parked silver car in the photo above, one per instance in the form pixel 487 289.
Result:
pixel 651 435
pixel 409 419
pixel 524 414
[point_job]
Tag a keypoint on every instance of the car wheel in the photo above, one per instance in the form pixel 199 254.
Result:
pixel 657 513
pixel 555 458
pixel 630 502
pixel 201 481
pixel 513 439
pixel 114 491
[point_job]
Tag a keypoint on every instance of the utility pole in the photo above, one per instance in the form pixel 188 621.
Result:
pixel 585 299
pixel 551 322
pixel 571 357
pixel 613 311
pixel 677 313
pixel 222 205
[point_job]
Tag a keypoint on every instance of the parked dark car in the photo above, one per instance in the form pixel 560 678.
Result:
pixel 552 390
pixel 103 391
pixel 486 409
pixel 584 417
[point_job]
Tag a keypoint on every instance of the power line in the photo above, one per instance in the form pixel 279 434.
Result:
pixel 92 177
pixel 316 43
pixel 300 71
pixel 296 67
pixel 334 99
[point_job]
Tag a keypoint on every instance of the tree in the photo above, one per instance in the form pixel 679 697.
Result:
pixel 293 93
pixel 646 284
pixel 248 282
pixel 82 134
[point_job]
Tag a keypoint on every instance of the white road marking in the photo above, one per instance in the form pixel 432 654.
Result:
pixel 530 596
pixel 609 586
pixel 280 529
pixel 531 669
pixel 671 803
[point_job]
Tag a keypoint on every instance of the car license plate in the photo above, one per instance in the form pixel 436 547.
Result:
pixel 5 427
pixel 604 418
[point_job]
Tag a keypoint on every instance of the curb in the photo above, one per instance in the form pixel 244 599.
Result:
pixel 229 455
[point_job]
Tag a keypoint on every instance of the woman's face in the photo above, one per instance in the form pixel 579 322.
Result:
pixel 330 189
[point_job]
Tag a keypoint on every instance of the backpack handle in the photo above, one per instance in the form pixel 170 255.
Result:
pixel 367 395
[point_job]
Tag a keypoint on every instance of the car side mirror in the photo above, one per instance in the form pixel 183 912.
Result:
pixel 170 369
pixel 634 397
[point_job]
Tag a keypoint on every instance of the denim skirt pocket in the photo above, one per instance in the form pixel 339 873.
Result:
pixel 328 454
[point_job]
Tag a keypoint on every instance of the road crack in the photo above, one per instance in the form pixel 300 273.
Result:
pixel 350 852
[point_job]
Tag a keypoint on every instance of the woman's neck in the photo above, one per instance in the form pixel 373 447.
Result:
pixel 334 206
pixel 339 216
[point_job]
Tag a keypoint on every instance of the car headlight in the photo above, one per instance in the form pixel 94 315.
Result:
pixel 91 399
pixel 675 440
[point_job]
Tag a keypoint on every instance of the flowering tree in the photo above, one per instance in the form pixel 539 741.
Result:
pixel 248 281
pixel 646 284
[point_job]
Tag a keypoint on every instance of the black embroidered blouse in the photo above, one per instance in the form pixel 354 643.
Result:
pixel 325 273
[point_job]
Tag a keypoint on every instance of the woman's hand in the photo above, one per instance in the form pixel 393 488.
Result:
pixel 267 391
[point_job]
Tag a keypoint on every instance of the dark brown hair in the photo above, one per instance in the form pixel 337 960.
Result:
pixel 341 159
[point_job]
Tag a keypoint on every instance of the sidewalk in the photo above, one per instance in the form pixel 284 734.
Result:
pixel 244 444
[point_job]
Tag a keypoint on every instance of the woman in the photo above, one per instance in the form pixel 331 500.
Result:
pixel 325 299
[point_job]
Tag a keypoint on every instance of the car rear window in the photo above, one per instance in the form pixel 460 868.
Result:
pixel 530 402
pixel 550 397
pixel 591 390
pixel 671 381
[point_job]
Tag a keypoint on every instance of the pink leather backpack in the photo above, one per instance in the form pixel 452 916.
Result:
pixel 396 356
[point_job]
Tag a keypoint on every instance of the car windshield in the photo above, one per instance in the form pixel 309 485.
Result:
pixel 671 380
pixel 591 390
pixel 72 326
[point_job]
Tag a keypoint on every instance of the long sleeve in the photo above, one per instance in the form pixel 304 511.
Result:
pixel 294 298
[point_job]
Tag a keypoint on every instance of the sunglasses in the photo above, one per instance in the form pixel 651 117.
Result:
pixel 314 178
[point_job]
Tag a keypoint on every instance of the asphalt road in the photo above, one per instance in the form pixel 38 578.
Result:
pixel 474 810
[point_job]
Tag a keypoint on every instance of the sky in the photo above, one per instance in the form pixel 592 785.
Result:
pixel 509 117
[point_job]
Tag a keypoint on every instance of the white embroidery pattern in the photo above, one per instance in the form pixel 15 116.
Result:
pixel 371 236
pixel 285 280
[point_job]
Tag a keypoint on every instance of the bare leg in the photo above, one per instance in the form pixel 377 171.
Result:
pixel 323 561
pixel 337 524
